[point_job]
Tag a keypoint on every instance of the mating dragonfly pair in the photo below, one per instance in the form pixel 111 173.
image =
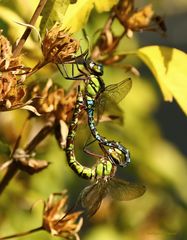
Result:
pixel 96 94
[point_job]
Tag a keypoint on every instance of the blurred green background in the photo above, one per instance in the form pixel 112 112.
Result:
pixel 153 130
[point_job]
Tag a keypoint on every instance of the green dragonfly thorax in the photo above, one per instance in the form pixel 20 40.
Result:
pixel 94 86
pixel 104 169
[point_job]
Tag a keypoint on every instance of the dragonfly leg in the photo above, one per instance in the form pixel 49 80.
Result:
pixel 88 152
pixel 66 76
pixel 85 149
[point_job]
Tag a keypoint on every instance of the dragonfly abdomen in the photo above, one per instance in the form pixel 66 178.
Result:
pixel 80 170
pixel 90 111
pixel 91 123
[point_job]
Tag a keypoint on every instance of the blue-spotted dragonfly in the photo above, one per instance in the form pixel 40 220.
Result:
pixel 102 173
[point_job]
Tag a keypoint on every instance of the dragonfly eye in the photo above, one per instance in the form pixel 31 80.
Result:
pixel 117 156
pixel 95 68
pixel 100 69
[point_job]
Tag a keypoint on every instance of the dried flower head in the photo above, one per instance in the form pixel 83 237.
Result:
pixel 11 93
pixel 57 221
pixel 137 20
pixel 5 53
pixel 58 45
pixel 105 45
pixel 13 74
pixel 27 163
pixel 53 101
pixel 7 61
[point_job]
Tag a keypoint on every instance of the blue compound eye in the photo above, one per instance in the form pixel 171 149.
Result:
pixel 94 68
pixel 100 68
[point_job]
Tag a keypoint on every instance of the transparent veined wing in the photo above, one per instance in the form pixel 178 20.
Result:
pixel 123 190
pixel 92 196
pixel 111 96
pixel 116 92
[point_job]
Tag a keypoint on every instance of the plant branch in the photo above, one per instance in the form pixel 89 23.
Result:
pixel 39 137
pixel 23 233
pixel 13 167
pixel 27 32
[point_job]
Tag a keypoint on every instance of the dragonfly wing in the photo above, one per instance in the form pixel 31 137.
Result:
pixel 124 191
pixel 112 95
pixel 116 92
pixel 111 109
pixel 92 196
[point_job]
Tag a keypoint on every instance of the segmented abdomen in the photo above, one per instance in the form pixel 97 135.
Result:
pixel 90 104
pixel 78 168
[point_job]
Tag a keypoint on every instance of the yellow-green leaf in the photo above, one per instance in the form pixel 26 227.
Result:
pixel 169 66
pixel 15 30
pixel 77 15
pixel 104 5
pixel 53 12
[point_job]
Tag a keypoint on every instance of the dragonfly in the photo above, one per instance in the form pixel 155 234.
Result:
pixel 97 95
pixel 102 173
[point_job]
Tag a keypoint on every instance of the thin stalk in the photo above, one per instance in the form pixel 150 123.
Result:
pixel 23 233
pixel 13 168
pixel 27 32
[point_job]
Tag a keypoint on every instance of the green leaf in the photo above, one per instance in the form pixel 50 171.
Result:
pixel 4 148
pixel 169 66
pixel 104 5
pixel 53 12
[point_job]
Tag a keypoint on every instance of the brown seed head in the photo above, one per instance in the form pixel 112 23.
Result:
pixel 11 92
pixel 53 101
pixel 7 61
pixel 57 221
pixel 58 45
pixel 137 20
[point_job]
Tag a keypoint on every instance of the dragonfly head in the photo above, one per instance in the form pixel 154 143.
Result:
pixel 118 157
pixel 94 68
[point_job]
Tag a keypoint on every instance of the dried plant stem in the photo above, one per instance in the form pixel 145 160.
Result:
pixel 23 233
pixel 43 133
pixel 37 67
pixel 27 32
pixel 13 168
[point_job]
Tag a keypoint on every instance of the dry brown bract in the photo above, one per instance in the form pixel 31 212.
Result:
pixel 55 219
pixel 54 104
pixel 137 20
pixel 11 93
pixel 132 20
pixel 58 46
pixel 12 75
pixel 27 163
pixel 53 101
pixel 7 61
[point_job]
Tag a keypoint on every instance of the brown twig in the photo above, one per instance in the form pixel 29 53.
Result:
pixel 27 32
pixel 13 167
pixel 43 133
